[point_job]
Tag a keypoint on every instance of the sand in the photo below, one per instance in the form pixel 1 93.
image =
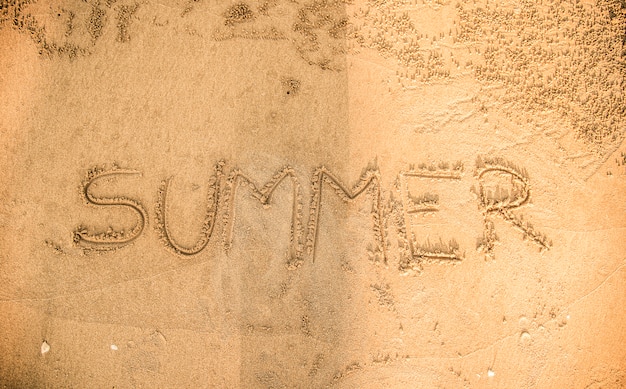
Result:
pixel 312 193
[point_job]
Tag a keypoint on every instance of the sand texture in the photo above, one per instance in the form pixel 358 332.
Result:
pixel 312 194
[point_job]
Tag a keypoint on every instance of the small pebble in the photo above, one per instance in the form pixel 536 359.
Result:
pixel 45 347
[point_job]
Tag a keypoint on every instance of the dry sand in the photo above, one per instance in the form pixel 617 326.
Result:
pixel 312 193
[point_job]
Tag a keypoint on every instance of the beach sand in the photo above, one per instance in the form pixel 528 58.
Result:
pixel 312 193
